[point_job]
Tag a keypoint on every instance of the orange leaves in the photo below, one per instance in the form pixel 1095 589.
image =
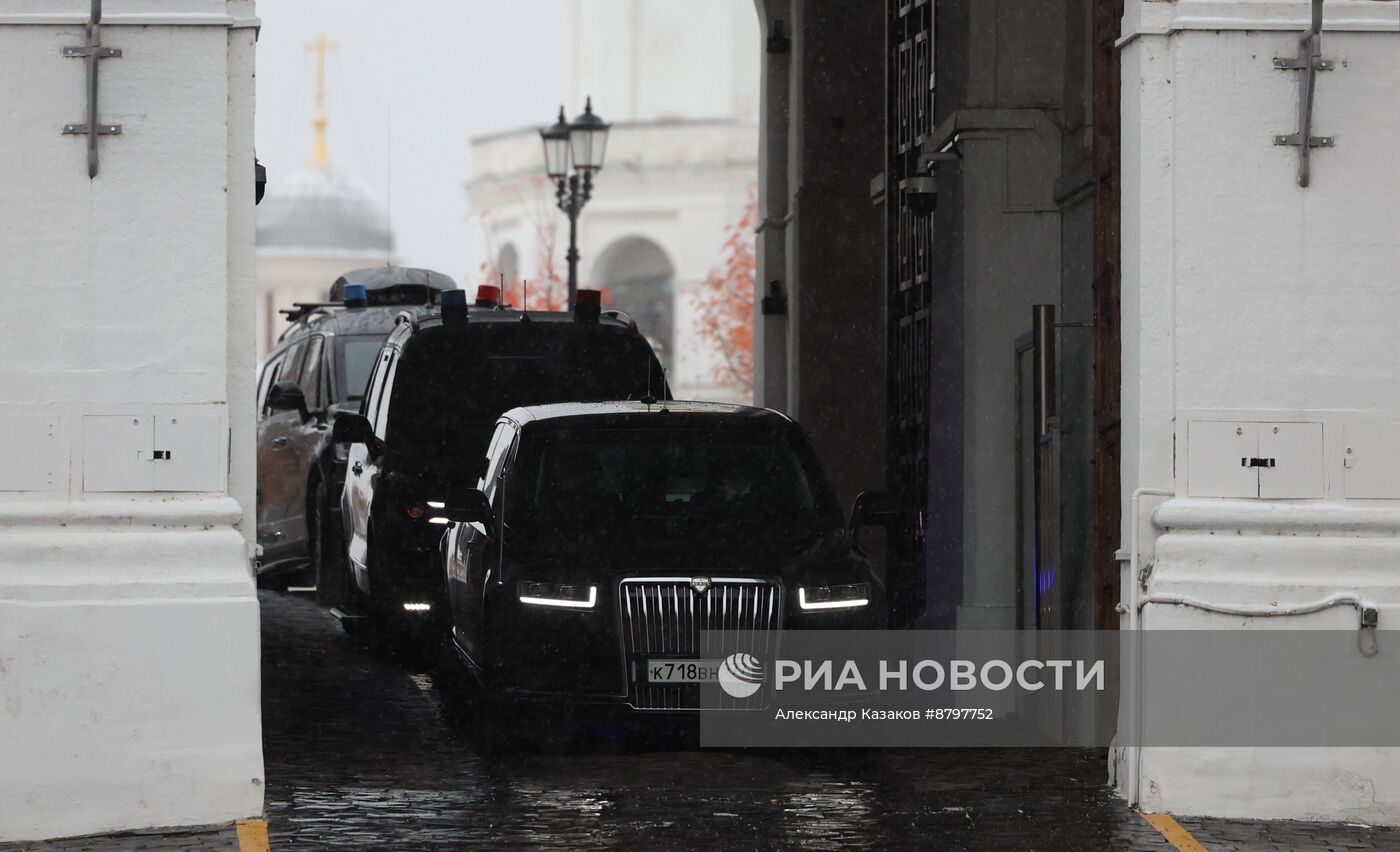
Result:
pixel 724 304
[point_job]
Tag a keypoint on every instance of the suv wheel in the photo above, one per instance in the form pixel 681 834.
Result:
pixel 328 563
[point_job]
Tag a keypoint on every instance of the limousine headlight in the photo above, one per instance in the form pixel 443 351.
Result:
pixel 557 594
pixel 833 597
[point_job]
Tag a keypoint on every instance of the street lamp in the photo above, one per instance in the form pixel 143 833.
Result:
pixel 556 148
pixel 581 144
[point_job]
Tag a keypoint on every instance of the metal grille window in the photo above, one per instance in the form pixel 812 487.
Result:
pixel 909 290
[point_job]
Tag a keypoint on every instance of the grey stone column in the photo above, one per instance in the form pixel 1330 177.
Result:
pixel 836 353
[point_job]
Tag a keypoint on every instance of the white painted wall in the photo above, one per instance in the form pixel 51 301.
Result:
pixel 1247 298
pixel 680 185
pixel 129 683
pixel 658 60
pixel 679 81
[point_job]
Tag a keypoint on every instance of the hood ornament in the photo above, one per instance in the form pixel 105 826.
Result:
pixel 701 585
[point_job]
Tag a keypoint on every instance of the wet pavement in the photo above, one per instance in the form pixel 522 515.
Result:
pixel 223 839
pixel 366 752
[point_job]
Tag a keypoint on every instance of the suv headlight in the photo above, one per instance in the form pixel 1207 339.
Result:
pixel 833 597
pixel 557 594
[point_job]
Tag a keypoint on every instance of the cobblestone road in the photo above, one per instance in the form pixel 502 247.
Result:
pixel 361 755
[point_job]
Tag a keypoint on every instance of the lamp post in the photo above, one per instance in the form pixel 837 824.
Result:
pixel 578 145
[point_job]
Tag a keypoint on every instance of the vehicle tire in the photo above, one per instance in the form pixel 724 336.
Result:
pixel 501 725
pixel 275 581
pixel 507 726
pixel 356 602
pixel 379 627
pixel 455 688
pixel 329 565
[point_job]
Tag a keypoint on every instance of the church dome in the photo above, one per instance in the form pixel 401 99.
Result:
pixel 319 211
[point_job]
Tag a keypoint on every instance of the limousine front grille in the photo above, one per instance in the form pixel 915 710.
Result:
pixel 664 617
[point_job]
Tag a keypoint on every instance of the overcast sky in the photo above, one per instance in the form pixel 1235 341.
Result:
pixel 443 70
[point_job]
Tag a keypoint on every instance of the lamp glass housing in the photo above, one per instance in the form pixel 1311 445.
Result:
pixel 588 140
pixel 556 148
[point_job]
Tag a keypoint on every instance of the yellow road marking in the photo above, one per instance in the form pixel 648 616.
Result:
pixel 252 835
pixel 1173 832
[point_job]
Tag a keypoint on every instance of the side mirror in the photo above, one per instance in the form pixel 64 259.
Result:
pixel 468 506
pixel 287 396
pixel 873 509
pixel 355 429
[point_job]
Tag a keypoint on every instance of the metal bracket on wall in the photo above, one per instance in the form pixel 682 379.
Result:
pixel 1309 60
pixel 775 303
pixel 948 153
pixel 91 52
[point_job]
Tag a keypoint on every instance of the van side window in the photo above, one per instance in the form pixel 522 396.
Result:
pixel 271 370
pixel 291 365
pixel 328 395
pixel 309 378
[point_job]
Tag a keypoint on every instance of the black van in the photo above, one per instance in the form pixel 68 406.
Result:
pixel 438 387
pixel 318 370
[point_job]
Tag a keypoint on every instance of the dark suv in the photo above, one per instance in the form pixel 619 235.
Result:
pixel 438 386
pixel 605 539
pixel 318 369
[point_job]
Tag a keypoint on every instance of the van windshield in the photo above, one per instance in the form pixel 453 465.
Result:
pixel 652 482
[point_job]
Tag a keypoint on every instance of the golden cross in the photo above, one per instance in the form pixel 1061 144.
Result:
pixel 322 45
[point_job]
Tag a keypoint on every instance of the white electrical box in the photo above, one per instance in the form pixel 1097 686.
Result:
pixel 1248 459
pixel 1371 460
pixel 194 453
pixel 165 452
pixel 31 453
pixel 1293 455
pixel 116 453
pixel 1214 449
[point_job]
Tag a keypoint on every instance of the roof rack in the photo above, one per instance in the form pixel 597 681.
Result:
pixel 301 310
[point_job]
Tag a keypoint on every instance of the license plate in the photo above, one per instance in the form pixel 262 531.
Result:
pixel 681 671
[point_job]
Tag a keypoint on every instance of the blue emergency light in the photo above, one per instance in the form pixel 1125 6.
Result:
pixel 356 296
pixel 454 304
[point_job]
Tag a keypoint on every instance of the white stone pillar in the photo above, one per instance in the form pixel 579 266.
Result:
pixel 1259 321
pixel 129 681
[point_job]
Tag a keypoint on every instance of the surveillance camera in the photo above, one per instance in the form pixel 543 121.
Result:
pixel 920 194
pixel 259 181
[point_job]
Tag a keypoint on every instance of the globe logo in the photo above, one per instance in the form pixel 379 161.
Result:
pixel 741 675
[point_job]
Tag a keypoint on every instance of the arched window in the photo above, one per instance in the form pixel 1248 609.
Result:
pixel 638 278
